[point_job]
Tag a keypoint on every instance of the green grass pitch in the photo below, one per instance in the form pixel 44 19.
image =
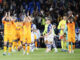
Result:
pixel 41 55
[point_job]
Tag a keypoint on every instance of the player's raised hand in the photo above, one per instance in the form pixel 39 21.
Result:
pixel 24 19
pixel 29 18
pixel 6 14
pixel 9 15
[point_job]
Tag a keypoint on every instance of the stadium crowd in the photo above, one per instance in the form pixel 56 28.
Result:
pixel 55 9
pixel 40 10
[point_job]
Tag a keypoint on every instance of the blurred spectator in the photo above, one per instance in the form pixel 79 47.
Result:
pixel 54 9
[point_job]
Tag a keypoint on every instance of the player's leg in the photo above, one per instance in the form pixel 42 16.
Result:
pixel 19 45
pixel 69 40
pixel 67 43
pixel 46 43
pixel 28 44
pixel 35 41
pixel 73 47
pixel 13 46
pixel 54 45
pixel 65 46
pixel 73 44
pixel 28 48
pixel 24 41
pixel 62 42
pixel 5 44
pixel 14 40
pixel 20 40
pixel 5 48
pixel 24 47
pixel 10 45
pixel 62 45
pixel 36 44
pixel 14 43
pixel 10 48
pixel 69 46
pixel 32 45
pixel 49 44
